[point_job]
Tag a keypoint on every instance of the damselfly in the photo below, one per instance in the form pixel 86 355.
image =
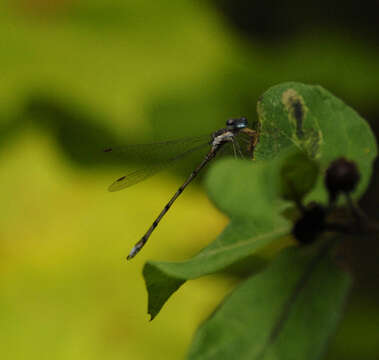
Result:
pixel 241 139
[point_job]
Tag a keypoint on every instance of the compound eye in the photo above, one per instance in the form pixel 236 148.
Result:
pixel 230 122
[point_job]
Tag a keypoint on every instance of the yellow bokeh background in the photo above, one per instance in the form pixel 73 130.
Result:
pixel 67 291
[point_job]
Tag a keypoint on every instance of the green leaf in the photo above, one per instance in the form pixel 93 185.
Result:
pixel 298 176
pixel 311 119
pixel 287 312
pixel 255 223
pixel 292 117
pixel 159 287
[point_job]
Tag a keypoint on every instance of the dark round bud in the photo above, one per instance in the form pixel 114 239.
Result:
pixel 341 176
pixel 310 225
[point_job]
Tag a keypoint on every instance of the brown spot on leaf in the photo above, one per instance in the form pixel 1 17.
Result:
pixel 294 104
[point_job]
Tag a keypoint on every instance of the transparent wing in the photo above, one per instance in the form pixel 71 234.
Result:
pixel 157 155
pixel 156 152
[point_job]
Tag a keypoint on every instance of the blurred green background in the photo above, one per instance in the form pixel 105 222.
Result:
pixel 77 76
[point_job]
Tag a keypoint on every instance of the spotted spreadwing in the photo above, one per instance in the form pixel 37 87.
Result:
pixel 237 136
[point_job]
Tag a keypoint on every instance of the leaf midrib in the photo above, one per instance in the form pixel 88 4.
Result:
pixel 243 243
pixel 288 305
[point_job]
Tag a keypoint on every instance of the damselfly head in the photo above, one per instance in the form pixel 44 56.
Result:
pixel 236 124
